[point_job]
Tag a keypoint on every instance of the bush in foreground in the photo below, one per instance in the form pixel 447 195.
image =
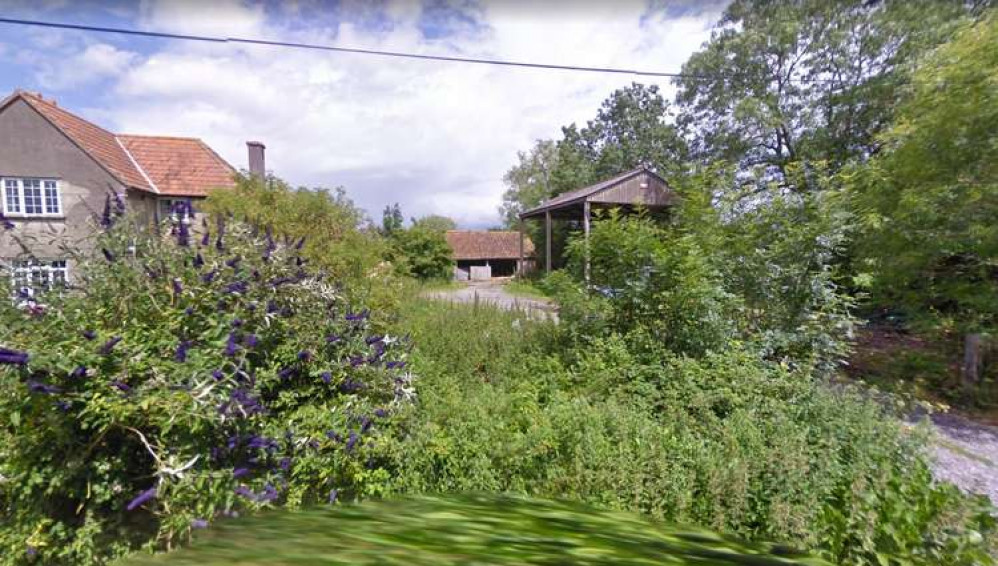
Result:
pixel 465 530
pixel 190 377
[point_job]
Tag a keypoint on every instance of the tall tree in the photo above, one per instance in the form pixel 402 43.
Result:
pixel 790 84
pixel 632 127
pixel 927 204
pixel 528 183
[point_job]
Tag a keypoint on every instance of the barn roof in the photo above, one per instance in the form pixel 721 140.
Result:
pixel 578 196
pixel 479 244
pixel 156 164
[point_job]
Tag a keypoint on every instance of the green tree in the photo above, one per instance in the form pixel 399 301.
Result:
pixel 423 252
pixel 632 128
pixel 804 82
pixel 528 183
pixel 435 222
pixel 391 219
pixel 927 205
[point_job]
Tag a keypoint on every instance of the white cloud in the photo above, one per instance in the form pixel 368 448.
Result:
pixel 435 137
pixel 96 62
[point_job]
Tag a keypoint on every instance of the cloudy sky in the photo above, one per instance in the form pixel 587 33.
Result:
pixel 435 137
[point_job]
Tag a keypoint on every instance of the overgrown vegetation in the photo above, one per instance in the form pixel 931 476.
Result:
pixel 186 379
pixel 722 440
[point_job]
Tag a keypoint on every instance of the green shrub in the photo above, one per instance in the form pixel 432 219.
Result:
pixel 188 377
pixel 340 241
pixel 727 441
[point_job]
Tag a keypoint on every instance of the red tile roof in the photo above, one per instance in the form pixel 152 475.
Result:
pixel 179 166
pixel 161 165
pixel 467 244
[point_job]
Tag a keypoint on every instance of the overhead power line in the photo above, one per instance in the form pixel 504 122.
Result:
pixel 380 53
pixel 321 47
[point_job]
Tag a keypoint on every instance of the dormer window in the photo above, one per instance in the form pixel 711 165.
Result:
pixel 23 197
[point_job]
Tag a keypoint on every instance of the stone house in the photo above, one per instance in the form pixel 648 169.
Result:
pixel 57 169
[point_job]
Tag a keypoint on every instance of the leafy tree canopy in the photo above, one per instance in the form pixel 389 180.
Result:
pixel 810 81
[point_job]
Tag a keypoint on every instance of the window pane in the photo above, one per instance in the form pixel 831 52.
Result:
pixel 32 196
pixel 52 205
pixel 13 199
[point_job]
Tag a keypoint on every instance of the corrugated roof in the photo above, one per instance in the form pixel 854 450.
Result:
pixel 471 244
pixel 579 195
pixel 158 164
pixel 179 166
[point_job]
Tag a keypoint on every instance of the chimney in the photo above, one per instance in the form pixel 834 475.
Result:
pixel 257 165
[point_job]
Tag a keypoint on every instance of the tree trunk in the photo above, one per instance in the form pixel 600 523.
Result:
pixel 971 372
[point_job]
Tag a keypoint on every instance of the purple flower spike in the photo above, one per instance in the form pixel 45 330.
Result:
pixel 380 413
pixel 7 224
pixel 300 243
pixel 108 346
pixel 183 235
pixel 105 218
pixel 178 287
pixel 198 261
pixel 79 373
pixel 199 524
pixel 181 353
pixel 373 339
pixel 237 322
pixel 327 377
pixel 37 387
pixel 236 287
pixel 217 374
pixel 189 311
pixel 234 262
pixel 251 341
pixel 13 357
pixel 206 238
pixel 231 345
pixel 142 498
pixel 305 355
pixel 119 203
pixel 333 338
pixel 219 245
pixel 240 472
pixel 333 495
pixel 121 386
pixel 352 441
pixel 210 276
pixel 89 334
pixel 108 255
pixel 287 373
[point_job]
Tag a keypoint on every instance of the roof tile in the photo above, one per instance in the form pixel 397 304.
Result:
pixel 467 244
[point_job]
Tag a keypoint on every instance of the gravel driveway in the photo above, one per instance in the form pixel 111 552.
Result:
pixel 494 293
pixel 966 453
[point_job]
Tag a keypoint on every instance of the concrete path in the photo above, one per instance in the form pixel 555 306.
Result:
pixel 494 293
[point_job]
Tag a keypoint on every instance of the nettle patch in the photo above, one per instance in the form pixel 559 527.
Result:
pixel 190 376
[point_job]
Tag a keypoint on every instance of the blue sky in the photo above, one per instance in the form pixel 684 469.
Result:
pixel 435 137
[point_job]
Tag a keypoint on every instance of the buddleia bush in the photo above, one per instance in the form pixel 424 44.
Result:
pixel 186 377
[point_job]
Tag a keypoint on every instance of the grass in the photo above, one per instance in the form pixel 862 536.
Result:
pixel 439 285
pixel 466 529
pixel 525 288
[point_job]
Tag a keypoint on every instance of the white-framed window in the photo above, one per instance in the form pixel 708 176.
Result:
pixel 175 207
pixel 26 197
pixel 31 276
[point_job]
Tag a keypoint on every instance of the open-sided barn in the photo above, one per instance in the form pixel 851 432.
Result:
pixel 482 254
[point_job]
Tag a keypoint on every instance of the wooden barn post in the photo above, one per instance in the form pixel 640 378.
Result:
pixel 547 241
pixel 519 265
pixel 585 228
